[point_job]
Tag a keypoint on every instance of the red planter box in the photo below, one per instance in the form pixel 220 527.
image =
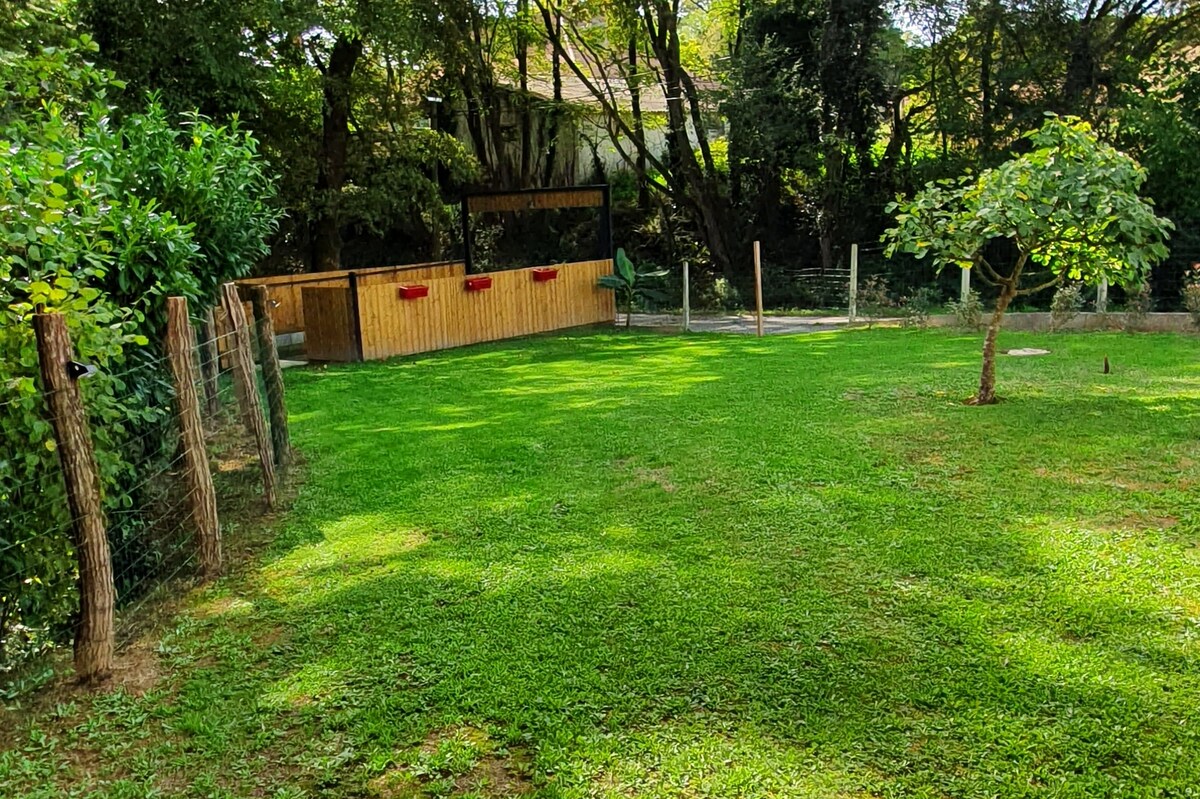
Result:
pixel 542 275
pixel 478 283
pixel 413 292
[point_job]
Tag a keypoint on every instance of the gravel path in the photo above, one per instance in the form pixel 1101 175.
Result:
pixel 742 323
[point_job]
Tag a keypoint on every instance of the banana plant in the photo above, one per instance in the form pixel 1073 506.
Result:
pixel 630 284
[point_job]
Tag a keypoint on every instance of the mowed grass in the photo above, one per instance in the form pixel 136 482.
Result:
pixel 614 565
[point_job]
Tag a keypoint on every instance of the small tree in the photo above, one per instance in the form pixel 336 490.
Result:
pixel 1070 207
pixel 630 284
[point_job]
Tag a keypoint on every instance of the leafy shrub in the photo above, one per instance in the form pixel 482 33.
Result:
pixel 720 295
pixel 916 307
pixel 1066 305
pixel 56 207
pixel 212 180
pixel 1191 294
pixel 968 311
pixel 875 299
pixel 100 227
pixel 1138 305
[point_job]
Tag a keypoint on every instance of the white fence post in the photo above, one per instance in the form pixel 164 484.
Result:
pixel 687 304
pixel 853 281
pixel 758 302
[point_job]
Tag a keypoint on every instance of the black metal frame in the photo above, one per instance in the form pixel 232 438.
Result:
pixel 604 233
pixel 352 280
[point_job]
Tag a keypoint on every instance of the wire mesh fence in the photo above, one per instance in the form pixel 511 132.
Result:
pixel 827 287
pixel 146 496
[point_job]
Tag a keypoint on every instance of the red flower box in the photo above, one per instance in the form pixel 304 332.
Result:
pixel 544 274
pixel 478 283
pixel 413 292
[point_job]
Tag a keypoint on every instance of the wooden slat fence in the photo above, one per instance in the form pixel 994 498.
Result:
pixel 287 291
pixel 452 316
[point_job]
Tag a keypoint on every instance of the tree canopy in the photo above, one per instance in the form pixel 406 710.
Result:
pixel 719 122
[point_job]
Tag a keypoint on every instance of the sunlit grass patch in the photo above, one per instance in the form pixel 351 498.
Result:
pixel 613 565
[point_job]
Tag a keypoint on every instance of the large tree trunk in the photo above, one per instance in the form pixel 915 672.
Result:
pixel 703 193
pixel 554 31
pixel 331 166
pixel 635 107
pixel 527 164
pixel 834 158
pixel 987 133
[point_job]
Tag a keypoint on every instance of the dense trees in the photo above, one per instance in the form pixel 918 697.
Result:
pixel 793 121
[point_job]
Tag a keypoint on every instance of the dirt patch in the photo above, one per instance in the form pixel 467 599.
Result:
pixel 463 758
pixel 1140 521
pixel 136 669
pixel 660 477
pixel 495 776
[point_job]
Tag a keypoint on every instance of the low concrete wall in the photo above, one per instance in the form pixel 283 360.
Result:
pixel 1039 322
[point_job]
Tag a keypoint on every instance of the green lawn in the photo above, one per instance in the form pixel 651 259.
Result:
pixel 639 565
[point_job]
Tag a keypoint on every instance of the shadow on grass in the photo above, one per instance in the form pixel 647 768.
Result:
pixel 716 565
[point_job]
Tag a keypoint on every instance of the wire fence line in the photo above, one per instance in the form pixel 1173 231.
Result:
pixel 811 285
pixel 151 498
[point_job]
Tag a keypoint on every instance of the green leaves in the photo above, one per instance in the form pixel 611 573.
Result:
pixel 630 284
pixel 99 225
pixel 625 267
pixel 1071 207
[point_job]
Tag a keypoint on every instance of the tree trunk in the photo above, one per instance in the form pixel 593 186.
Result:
pixel 528 167
pixel 635 108
pixel 987 377
pixel 552 122
pixel 987 134
pixel 331 166
pixel 834 158
pixel 701 189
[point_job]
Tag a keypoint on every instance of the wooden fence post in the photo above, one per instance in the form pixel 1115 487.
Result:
pixel 94 629
pixel 202 498
pixel 758 308
pixel 225 341
pixel 853 283
pixel 687 302
pixel 272 376
pixel 246 386
pixel 209 367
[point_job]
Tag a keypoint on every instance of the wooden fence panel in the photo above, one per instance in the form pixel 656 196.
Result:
pixel 330 318
pixel 288 290
pixel 451 316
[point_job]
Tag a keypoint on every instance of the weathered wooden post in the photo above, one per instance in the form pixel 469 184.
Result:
pixel 202 498
pixel 853 282
pixel 758 305
pixel 246 387
pixel 687 304
pixel 209 367
pixel 272 376
pixel 94 629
